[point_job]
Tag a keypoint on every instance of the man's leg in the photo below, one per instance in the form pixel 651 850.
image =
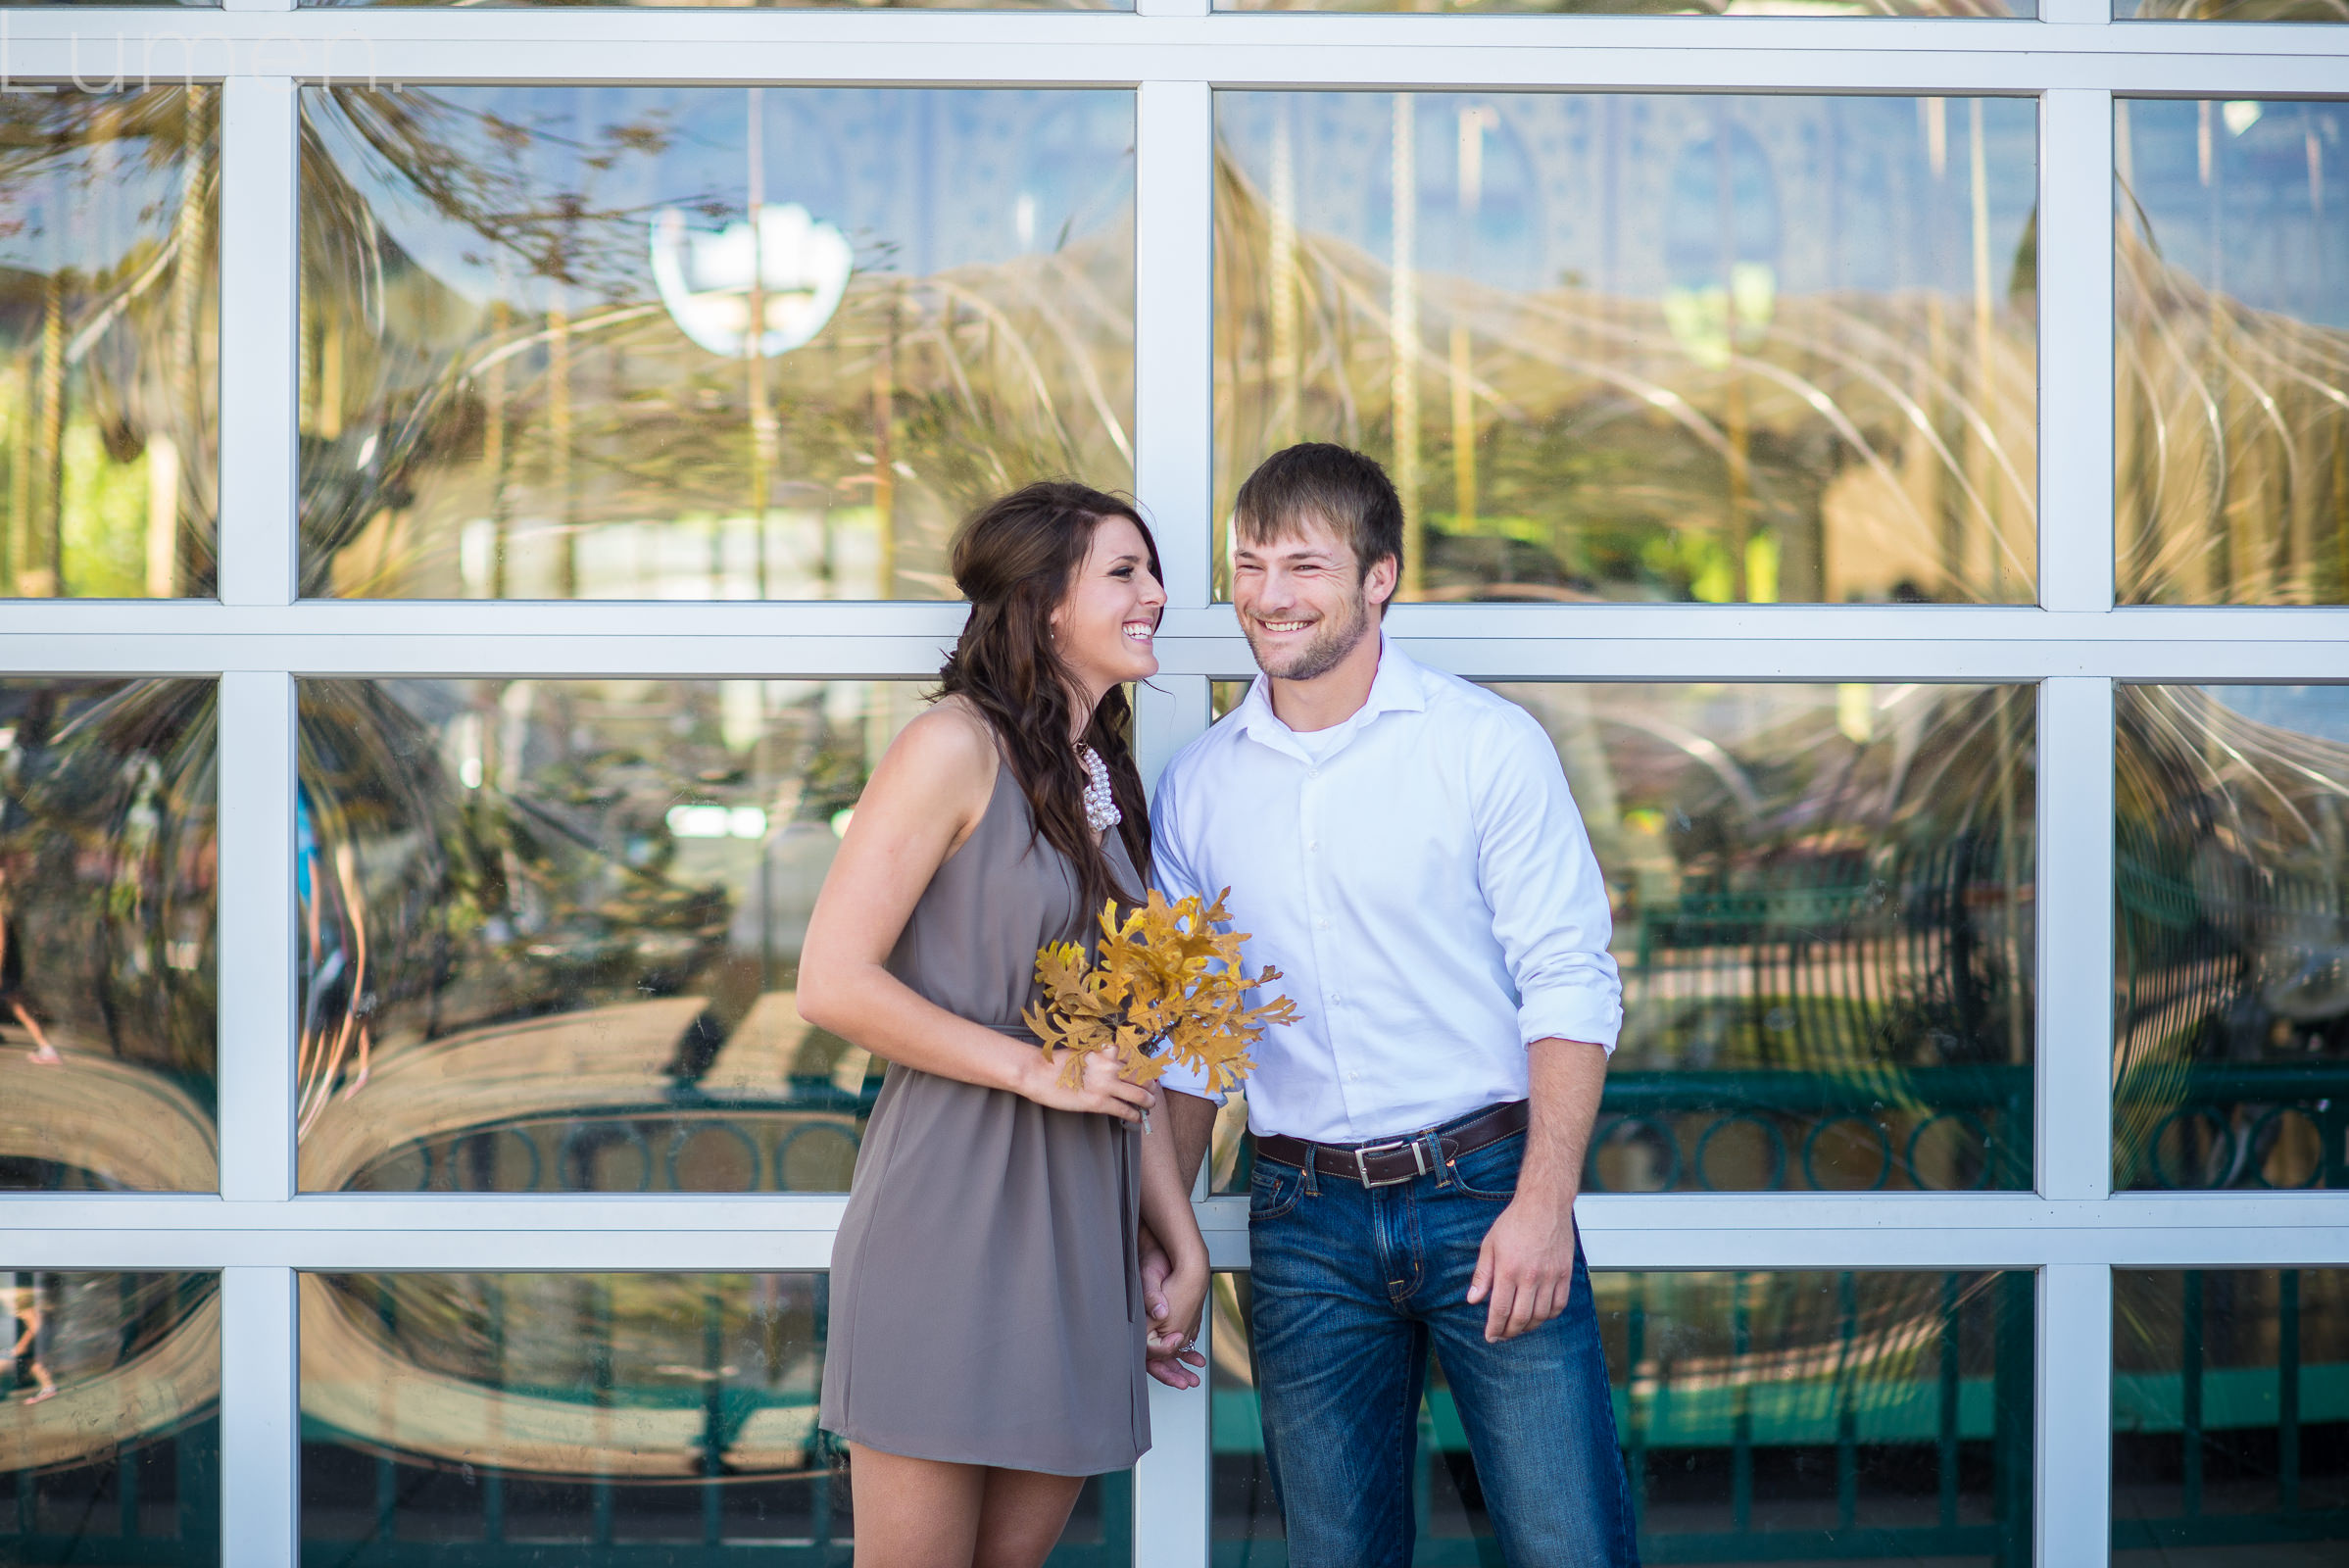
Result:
pixel 1540 1420
pixel 1337 1372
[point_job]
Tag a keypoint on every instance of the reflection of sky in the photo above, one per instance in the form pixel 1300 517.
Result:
pixel 2320 711
pixel 91 203
pixel 920 180
pixel 1627 192
pixel 2251 198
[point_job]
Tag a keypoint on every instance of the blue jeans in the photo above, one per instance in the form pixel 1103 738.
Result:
pixel 1352 1286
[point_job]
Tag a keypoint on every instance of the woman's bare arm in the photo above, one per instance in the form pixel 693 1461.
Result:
pixel 923 801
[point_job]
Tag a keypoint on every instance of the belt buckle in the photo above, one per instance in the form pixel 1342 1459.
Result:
pixel 1419 1162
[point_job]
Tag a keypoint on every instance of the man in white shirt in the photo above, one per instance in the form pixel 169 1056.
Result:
pixel 1403 847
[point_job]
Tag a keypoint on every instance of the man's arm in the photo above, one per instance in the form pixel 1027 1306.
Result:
pixel 1526 1266
pixel 1194 1122
pixel 1190 1122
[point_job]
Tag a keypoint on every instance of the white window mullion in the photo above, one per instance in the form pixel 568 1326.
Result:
pixel 256 1045
pixel 1174 329
pixel 1174 1483
pixel 1169 710
pixel 2075 350
pixel 2077 13
pixel 2075 1430
pixel 257 304
pixel 259 1423
pixel 2074 1141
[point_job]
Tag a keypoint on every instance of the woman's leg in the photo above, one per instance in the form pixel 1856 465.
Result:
pixel 1021 1517
pixel 915 1513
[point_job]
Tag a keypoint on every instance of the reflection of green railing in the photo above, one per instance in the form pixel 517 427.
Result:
pixel 1902 1110
pixel 444 1538
pixel 1840 1414
pixel 2189 1125
pixel 100 1512
pixel 2198 1399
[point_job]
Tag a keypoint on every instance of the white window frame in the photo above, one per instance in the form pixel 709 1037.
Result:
pixel 2075 643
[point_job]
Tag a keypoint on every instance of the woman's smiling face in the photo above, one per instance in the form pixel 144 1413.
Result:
pixel 1104 623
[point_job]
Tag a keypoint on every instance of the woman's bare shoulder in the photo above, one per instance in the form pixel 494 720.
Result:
pixel 948 749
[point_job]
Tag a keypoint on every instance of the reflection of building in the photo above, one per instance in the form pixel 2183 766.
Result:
pixel 1726 349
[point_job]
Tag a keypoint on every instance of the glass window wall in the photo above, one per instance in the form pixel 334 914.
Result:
pixel 560 1418
pixel 109 968
pixel 1824 920
pixel 550 932
pixel 1870 1418
pixel 1671 8
pixel 1645 346
pixel 2231 937
pixel 2230 1416
pixel 110 1440
pixel 528 363
pixel 110 276
pixel 2231 337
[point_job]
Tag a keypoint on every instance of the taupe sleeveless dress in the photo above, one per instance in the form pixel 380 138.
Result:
pixel 985 1301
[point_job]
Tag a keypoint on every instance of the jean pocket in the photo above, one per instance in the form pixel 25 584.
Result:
pixel 1492 1171
pixel 1273 1189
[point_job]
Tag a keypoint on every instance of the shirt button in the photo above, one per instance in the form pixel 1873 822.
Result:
pixel 1324 924
pixel 1312 772
pixel 1315 846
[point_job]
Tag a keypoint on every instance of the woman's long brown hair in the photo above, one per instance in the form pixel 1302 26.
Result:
pixel 1015 560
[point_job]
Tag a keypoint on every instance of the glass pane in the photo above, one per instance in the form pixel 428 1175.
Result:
pixel 109 895
pixel 110 1432
pixel 1645 347
pixel 2230 10
pixel 2230 1416
pixel 792 5
pixel 518 1418
pixel 2230 1062
pixel 110 347
pixel 1668 8
pixel 1823 919
pixel 527 369
pixel 550 932
pixel 1765 1417
pixel 2232 279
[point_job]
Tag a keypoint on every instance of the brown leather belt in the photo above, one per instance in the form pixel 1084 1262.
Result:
pixel 1390 1161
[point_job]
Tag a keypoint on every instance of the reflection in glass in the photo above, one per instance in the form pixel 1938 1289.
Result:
pixel 1823 919
pixel 110 1440
pixel 2230 1416
pixel 1764 1417
pixel 550 932
pixel 109 342
pixel 528 369
pixel 108 888
pixel 1645 347
pixel 790 4
pixel 2231 1022
pixel 1668 8
pixel 2230 10
pixel 531 1413
pixel 2231 273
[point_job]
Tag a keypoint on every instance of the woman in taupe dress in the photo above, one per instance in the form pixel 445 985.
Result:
pixel 988 1325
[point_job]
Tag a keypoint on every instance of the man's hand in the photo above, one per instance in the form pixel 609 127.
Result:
pixel 1526 1266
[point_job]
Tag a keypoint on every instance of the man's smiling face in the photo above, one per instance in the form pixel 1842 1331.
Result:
pixel 1305 601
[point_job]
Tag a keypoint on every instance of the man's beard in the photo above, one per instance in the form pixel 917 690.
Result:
pixel 1325 650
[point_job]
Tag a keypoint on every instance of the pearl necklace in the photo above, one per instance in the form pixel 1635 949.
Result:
pixel 1100 802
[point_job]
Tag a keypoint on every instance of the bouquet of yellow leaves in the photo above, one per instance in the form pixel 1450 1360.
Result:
pixel 1167 987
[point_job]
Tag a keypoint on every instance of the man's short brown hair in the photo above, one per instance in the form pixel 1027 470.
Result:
pixel 1322 481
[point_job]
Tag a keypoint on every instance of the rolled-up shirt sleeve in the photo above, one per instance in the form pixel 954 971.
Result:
pixel 1171 874
pixel 1549 899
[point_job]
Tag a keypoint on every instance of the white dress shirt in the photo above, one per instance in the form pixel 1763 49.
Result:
pixel 1421 880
